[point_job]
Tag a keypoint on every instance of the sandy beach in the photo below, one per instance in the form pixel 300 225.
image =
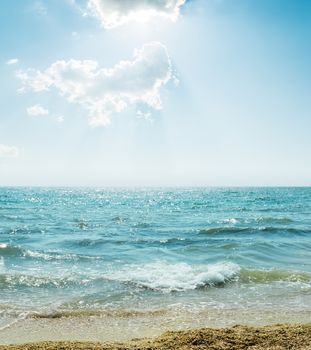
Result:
pixel 238 337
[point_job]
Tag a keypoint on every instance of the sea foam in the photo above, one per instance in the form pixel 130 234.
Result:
pixel 168 277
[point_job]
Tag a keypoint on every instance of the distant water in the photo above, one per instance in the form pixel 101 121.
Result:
pixel 70 251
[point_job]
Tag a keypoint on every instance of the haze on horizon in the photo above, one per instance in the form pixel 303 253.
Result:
pixel 148 93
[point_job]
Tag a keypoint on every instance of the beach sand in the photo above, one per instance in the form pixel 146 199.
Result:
pixel 274 337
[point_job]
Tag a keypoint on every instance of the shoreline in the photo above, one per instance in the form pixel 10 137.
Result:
pixel 124 325
pixel 281 336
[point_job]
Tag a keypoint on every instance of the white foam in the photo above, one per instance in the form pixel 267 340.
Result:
pixel 50 255
pixel 176 277
pixel 231 221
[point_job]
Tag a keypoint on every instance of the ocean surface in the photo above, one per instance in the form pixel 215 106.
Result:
pixel 193 256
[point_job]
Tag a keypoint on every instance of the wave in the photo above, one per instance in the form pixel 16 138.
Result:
pixel 121 313
pixel 272 275
pixel 223 229
pixel 157 276
pixel 292 230
pixel 167 277
pixel 27 280
pixel 271 219
pixel 270 229
pixel 7 250
pixel 21 230
pixel 231 221
pixel 11 316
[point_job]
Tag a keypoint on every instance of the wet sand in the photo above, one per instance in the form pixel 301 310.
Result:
pixel 274 337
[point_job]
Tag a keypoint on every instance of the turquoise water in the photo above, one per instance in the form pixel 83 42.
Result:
pixel 71 251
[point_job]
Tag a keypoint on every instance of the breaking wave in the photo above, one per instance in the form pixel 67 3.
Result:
pixel 161 276
pixel 176 277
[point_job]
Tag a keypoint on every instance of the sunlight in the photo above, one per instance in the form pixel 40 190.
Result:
pixel 141 16
pixel 144 16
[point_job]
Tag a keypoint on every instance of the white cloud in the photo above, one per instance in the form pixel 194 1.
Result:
pixel 8 151
pixel 35 79
pixel 113 13
pixel 104 92
pixel 59 119
pixel 12 61
pixel 37 110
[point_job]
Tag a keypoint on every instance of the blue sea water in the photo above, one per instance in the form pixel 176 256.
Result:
pixel 69 251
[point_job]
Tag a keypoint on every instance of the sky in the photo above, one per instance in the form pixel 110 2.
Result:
pixel 155 93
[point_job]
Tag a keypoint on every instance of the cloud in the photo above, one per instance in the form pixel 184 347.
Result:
pixel 12 61
pixel 104 92
pixel 59 119
pixel 8 151
pixel 113 13
pixel 37 110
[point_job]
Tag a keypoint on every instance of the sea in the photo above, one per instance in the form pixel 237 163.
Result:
pixel 152 259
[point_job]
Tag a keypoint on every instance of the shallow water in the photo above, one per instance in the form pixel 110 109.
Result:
pixel 177 252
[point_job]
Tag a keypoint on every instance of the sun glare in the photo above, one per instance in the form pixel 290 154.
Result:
pixel 139 16
pixel 144 16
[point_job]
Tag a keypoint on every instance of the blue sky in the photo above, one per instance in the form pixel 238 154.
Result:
pixel 112 93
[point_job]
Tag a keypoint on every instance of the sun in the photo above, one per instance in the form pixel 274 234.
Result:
pixel 115 19
pixel 144 16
